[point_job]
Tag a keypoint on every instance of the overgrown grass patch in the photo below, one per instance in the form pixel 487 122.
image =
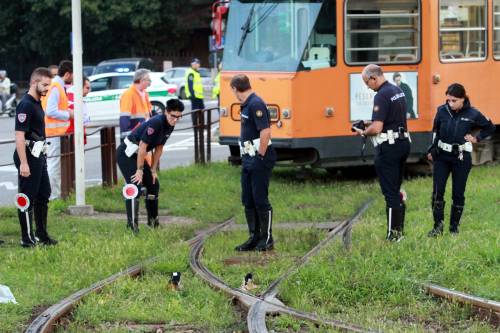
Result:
pixel 375 284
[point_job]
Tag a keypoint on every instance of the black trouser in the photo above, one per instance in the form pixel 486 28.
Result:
pixel 37 188
pixel 445 163
pixel 128 168
pixel 389 164
pixel 390 160
pixel 255 176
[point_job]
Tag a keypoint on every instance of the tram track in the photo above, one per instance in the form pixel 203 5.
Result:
pixel 45 322
pixel 257 306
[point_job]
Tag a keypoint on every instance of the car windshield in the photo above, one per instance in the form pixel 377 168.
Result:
pixel 268 35
pixel 114 68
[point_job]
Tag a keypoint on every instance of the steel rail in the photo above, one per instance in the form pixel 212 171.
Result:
pixel 263 306
pixel 46 321
pixel 256 318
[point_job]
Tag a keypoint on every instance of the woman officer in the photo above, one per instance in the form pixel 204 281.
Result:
pixel 149 136
pixel 450 152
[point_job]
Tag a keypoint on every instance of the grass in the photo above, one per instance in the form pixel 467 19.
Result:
pixel 374 284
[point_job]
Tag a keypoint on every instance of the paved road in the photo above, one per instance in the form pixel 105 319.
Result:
pixel 178 151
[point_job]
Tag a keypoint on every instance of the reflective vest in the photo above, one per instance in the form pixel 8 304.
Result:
pixel 56 127
pixel 216 88
pixel 197 84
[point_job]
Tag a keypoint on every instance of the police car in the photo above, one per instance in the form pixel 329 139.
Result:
pixel 103 101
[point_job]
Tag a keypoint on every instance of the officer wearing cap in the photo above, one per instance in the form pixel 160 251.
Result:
pixel 450 152
pixel 258 159
pixel 150 136
pixel 390 136
pixel 194 91
pixel 30 158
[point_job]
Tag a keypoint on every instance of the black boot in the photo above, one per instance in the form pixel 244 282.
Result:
pixel 253 231
pixel 25 220
pixel 152 209
pixel 438 214
pixel 266 241
pixel 41 233
pixel 455 216
pixel 132 214
pixel 395 223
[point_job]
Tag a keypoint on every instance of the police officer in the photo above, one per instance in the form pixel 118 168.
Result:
pixel 151 135
pixel 390 136
pixel 450 152
pixel 31 160
pixel 258 159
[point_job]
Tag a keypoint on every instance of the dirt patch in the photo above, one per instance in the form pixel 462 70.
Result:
pixel 164 219
pixel 36 311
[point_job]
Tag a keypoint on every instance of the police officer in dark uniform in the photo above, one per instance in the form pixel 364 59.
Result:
pixel 30 158
pixel 151 135
pixel 390 136
pixel 258 159
pixel 451 150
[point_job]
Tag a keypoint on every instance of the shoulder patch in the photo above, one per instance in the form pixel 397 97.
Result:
pixel 21 117
pixel 259 113
pixel 375 108
pixel 151 130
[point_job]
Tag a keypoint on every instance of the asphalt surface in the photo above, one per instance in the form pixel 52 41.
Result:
pixel 179 151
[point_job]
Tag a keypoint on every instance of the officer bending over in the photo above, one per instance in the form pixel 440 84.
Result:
pixel 30 158
pixel 149 136
pixel 450 152
pixel 391 139
pixel 258 159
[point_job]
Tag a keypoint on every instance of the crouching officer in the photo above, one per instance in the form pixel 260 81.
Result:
pixel 258 159
pixel 149 136
pixel 30 158
pixel 451 150
pixel 391 139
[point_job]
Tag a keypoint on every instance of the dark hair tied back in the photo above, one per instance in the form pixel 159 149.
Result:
pixel 457 90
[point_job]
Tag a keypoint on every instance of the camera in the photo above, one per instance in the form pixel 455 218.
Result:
pixel 360 124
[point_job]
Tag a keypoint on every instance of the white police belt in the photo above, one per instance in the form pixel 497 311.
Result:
pixel 37 147
pixel 459 148
pixel 390 136
pixel 250 147
pixel 131 148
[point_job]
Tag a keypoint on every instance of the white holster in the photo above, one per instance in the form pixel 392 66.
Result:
pixel 37 148
pixel 250 147
pixel 131 148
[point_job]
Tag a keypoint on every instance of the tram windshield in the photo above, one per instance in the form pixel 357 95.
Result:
pixel 272 36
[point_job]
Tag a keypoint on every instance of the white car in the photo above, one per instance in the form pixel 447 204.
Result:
pixel 103 101
pixel 177 75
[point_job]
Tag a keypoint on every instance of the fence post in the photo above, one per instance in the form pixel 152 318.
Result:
pixel 201 129
pixel 195 121
pixel 108 157
pixel 67 165
pixel 209 135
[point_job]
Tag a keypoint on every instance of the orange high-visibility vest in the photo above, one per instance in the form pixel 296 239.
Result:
pixel 56 127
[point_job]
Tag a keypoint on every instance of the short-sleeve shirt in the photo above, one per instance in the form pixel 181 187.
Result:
pixel 155 132
pixel 254 118
pixel 30 118
pixel 389 107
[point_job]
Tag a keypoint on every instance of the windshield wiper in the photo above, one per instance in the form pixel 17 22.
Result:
pixel 246 28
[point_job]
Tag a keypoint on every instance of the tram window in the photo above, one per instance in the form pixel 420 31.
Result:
pixel 496 29
pixel 382 31
pixel 321 48
pixel 462 30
